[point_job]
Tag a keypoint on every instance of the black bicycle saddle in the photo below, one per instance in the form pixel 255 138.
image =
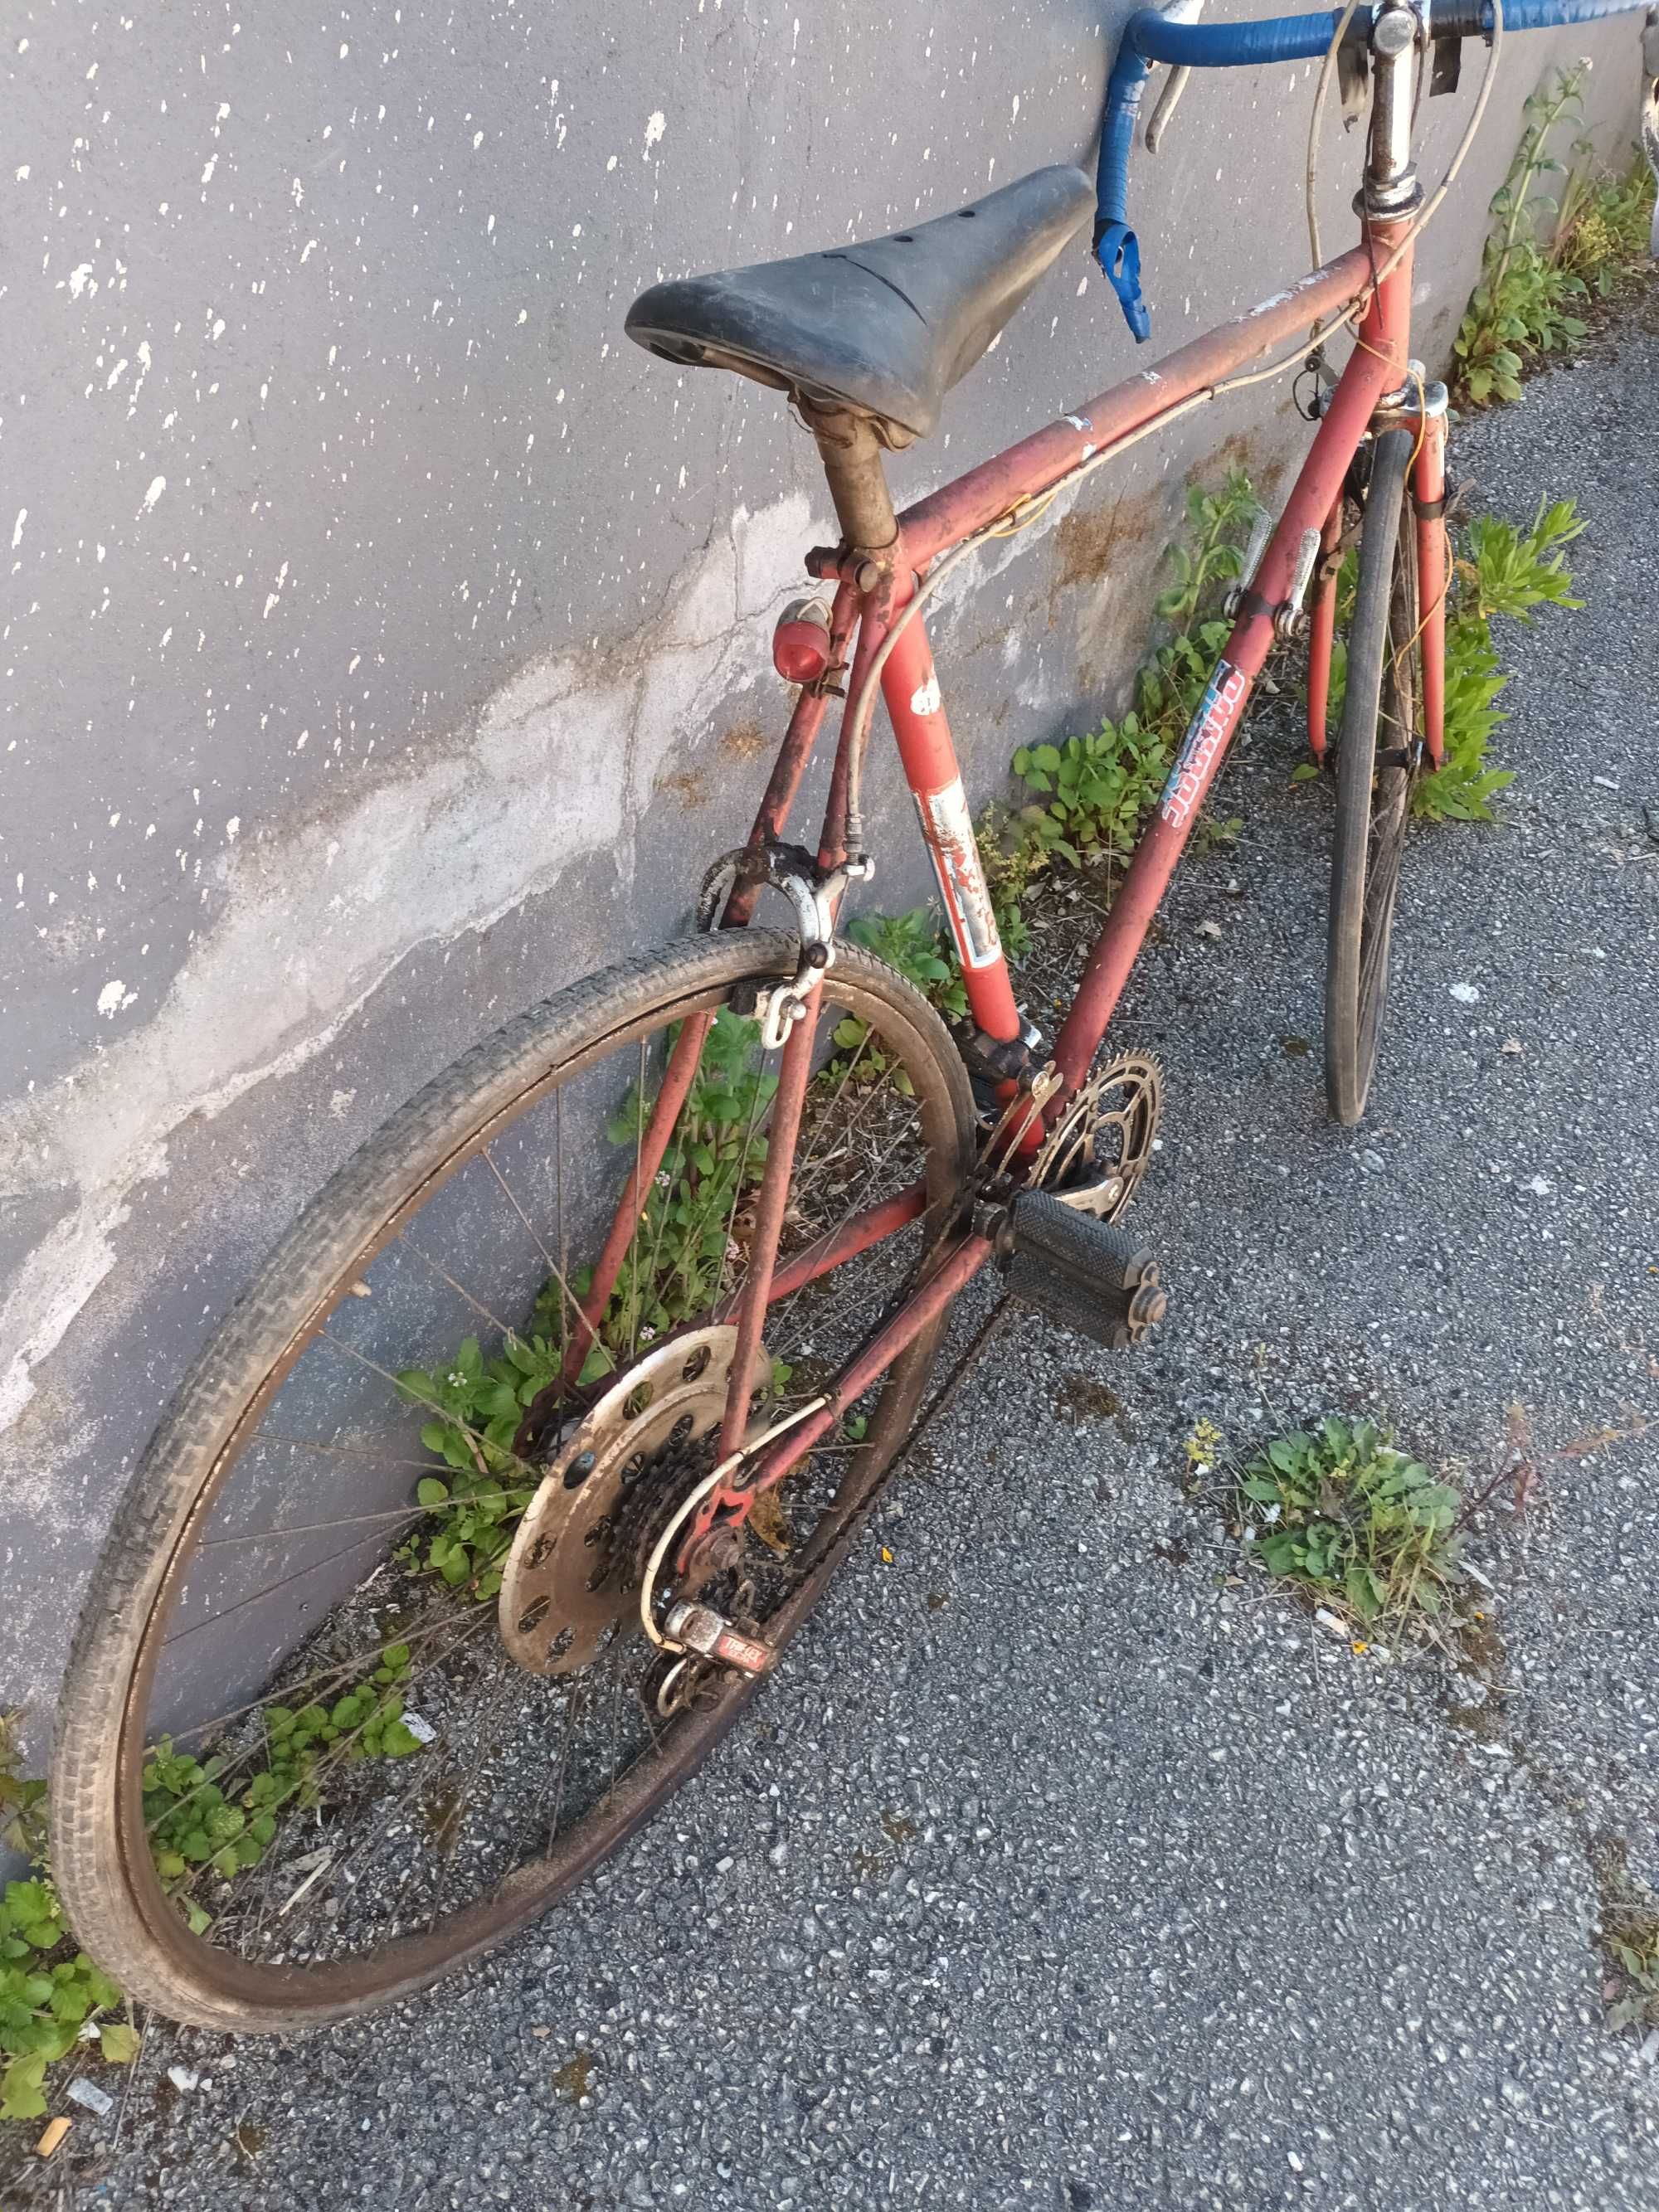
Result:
pixel 886 327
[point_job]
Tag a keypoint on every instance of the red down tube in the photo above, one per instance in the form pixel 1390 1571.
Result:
pixel 1376 365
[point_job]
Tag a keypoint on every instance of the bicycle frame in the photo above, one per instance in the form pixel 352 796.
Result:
pixel 1374 278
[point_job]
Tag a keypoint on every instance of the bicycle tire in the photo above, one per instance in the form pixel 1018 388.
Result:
pixel 1373 785
pixel 100 1857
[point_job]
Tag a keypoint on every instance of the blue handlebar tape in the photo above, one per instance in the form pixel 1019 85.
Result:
pixel 1149 36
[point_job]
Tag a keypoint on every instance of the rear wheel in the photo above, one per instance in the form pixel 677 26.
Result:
pixel 360 1686
pixel 1379 757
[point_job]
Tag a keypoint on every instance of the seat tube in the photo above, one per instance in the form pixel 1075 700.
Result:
pixel 852 468
pixel 909 684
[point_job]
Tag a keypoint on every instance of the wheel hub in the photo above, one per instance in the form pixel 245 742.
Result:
pixel 577 1559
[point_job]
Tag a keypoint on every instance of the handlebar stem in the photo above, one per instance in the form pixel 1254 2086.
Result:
pixel 1391 187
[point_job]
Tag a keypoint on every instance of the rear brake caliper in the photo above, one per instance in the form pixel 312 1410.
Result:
pixel 813 892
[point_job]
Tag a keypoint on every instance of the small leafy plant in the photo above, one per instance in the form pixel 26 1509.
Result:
pixel 48 1992
pixel 1627 1938
pixel 1357 1523
pixel 1504 571
pixel 917 948
pixel 477 1406
pixel 1544 258
pixel 1520 305
pixel 1605 225
pixel 915 944
pixel 1012 863
pixel 22 1801
pixel 1098 786
pixel 1507 572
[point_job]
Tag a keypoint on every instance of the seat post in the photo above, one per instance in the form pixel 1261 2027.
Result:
pixel 851 452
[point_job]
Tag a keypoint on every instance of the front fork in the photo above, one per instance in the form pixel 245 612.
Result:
pixel 1428 497
pixel 1434 570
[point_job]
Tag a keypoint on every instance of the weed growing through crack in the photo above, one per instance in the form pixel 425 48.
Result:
pixel 1500 569
pixel 50 1991
pixel 1545 257
pixel 916 945
pixel 1627 1937
pixel 1506 571
pixel 1358 1525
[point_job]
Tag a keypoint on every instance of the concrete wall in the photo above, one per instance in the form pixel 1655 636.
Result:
pixel 386 638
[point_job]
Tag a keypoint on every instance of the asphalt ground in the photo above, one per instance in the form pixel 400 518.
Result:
pixel 1065 1865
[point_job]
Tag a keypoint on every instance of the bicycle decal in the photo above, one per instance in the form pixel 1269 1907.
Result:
pixel 948 829
pixel 1206 734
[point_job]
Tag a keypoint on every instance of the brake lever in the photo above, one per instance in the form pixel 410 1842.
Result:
pixel 1177 11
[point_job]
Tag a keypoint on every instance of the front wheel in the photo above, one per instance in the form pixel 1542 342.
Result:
pixel 1379 757
pixel 314 1751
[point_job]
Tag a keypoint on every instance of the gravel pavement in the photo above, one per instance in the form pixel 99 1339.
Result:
pixel 1061 1868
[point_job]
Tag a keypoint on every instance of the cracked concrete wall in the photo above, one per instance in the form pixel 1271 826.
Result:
pixel 377 619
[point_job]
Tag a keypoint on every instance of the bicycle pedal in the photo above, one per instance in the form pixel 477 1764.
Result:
pixel 1083 1274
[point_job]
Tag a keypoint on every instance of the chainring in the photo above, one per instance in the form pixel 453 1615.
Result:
pixel 1096 1152
pixel 574 1571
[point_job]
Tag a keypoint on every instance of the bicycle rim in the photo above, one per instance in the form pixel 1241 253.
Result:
pixel 1378 760
pixel 383 1863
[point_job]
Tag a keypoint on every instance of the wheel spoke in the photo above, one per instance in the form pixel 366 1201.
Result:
pixel 268 1590
pixel 557 1272
pixel 460 1290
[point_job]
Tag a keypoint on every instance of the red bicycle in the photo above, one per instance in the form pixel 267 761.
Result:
pixel 546 1426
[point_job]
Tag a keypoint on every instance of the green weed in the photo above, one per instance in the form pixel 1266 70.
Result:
pixel 48 1992
pixel 915 944
pixel 22 1802
pixel 1605 226
pixel 1520 304
pixel 1012 863
pixel 1545 255
pixel 1506 571
pixel 48 1989
pixel 1098 786
pixel 1096 789
pixel 1357 1524
pixel 1498 570
pixel 1627 1938
pixel 194 1822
